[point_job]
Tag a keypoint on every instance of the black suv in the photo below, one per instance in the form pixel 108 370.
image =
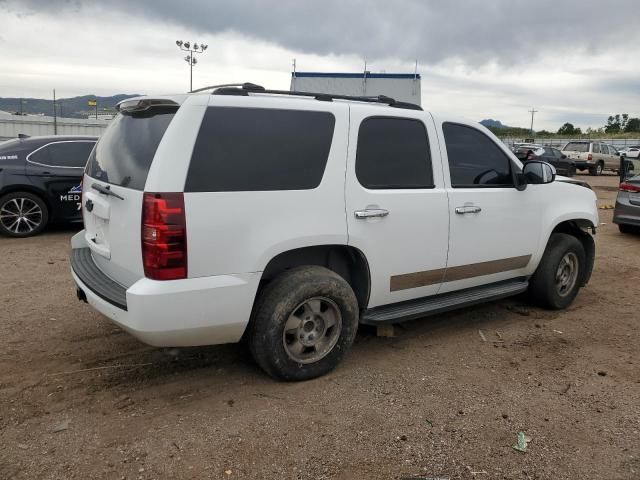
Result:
pixel 40 182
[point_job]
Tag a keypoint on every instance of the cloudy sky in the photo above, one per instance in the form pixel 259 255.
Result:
pixel 573 60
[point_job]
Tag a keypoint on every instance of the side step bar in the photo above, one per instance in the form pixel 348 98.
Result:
pixel 422 307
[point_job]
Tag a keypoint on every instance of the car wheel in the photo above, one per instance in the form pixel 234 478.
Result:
pixel 557 279
pixel 597 170
pixel 624 228
pixel 571 172
pixel 22 214
pixel 303 323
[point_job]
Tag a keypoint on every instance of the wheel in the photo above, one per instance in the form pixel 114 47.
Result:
pixel 571 172
pixel 303 323
pixel 624 228
pixel 597 170
pixel 22 214
pixel 557 279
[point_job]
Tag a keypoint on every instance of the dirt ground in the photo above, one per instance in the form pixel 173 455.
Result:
pixel 79 398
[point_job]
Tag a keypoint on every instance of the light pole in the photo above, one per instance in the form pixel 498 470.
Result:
pixel 191 59
pixel 533 111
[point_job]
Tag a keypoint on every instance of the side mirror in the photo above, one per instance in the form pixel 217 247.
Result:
pixel 538 173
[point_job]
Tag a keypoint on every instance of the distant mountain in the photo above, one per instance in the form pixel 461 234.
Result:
pixel 490 122
pixel 75 107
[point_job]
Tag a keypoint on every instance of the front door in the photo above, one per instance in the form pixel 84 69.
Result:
pixel 495 228
pixel 397 208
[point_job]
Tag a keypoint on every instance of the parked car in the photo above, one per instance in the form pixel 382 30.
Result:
pixel 288 218
pixel 632 151
pixel 593 156
pixel 627 210
pixel 562 164
pixel 40 182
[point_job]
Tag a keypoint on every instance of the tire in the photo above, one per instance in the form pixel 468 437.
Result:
pixel 597 170
pixel 571 172
pixel 308 299
pixel 624 228
pixel 553 288
pixel 28 210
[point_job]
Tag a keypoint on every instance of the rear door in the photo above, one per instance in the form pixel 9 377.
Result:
pixel 57 167
pixel 120 164
pixel 397 207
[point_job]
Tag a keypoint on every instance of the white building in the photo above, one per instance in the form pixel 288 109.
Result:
pixel 13 125
pixel 404 87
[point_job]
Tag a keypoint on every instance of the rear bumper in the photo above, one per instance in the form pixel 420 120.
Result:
pixel 626 213
pixel 584 164
pixel 177 313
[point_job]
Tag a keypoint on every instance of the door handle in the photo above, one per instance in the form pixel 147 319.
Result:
pixel 371 212
pixel 468 209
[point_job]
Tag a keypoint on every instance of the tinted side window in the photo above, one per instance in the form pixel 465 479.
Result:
pixel 257 149
pixel 66 154
pixel 475 159
pixel 393 153
pixel 596 148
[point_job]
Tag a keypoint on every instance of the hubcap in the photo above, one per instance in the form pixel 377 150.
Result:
pixel 567 274
pixel 20 215
pixel 312 330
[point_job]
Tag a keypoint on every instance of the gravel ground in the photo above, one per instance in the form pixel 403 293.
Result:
pixel 80 398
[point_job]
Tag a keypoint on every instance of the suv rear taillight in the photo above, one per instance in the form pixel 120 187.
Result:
pixel 164 236
pixel 589 157
pixel 627 187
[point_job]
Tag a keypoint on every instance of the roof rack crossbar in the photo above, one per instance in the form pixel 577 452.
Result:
pixel 327 97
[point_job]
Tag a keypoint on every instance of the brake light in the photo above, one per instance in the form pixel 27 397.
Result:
pixel 627 187
pixel 164 236
pixel 589 157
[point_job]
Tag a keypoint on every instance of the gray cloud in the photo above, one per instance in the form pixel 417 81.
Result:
pixel 475 31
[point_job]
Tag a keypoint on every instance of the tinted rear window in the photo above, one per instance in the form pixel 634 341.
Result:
pixel 577 147
pixel 125 151
pixel 256 149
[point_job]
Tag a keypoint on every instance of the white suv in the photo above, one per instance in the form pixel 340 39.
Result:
pixel 288 218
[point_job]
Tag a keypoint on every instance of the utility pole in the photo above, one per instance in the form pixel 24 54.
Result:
pixel 191 59
pixel 532 112
pixel 293 82
pixel 55 115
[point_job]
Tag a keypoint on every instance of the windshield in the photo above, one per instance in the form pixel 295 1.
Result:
pixel 124 154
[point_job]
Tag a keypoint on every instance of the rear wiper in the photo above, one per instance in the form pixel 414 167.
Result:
pixel 105 190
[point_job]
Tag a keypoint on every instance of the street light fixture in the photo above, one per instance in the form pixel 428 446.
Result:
pixel 191 59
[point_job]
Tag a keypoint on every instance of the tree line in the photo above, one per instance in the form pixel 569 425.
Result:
pixel 619 123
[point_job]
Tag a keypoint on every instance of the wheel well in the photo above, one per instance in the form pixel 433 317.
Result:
pixel 578 228
pixel 348 262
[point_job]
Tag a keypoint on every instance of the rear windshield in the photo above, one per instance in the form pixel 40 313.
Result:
pixel 125 151
pixel 577 147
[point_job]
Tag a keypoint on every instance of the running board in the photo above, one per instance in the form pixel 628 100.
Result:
pixel 422 307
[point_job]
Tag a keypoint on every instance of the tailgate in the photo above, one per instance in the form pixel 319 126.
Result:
pixel 113 189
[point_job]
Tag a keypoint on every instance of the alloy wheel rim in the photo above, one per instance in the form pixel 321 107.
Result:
pixel 312 330
pixel 567 274
pixel 20 215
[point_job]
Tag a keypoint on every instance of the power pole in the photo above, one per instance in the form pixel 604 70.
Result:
pixel 55 115
pixel 532 112
pixel 191 59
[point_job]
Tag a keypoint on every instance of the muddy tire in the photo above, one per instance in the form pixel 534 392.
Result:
pixel 558 278
pixel 22 214
pixel 303 323
pixel 596 170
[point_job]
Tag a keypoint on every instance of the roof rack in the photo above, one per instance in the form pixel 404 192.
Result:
pixel 244 89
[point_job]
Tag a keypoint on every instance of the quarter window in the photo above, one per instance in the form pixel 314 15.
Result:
pixel 64 154
pixel 393 153
pixel 474 159
pixel 257 149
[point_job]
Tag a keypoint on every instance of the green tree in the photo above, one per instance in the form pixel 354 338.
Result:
pixel 567 129
pixel 616 123
pixel 633 125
